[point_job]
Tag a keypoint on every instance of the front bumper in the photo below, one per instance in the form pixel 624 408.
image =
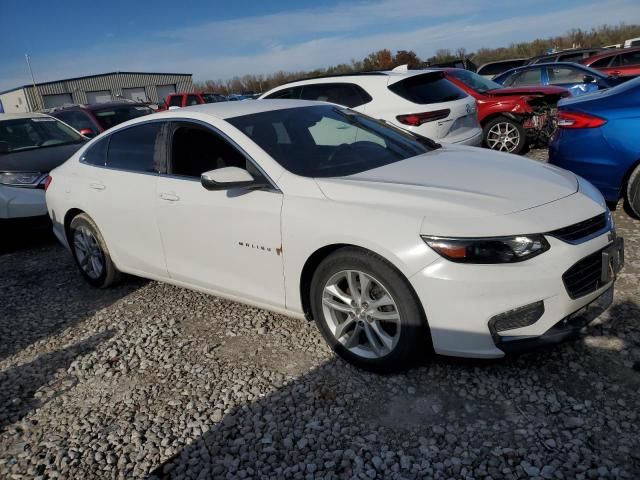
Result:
pixel 19 202
pixel 566 329
pixel 461 299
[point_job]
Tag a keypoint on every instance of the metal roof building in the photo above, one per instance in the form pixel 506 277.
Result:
pixel 138 86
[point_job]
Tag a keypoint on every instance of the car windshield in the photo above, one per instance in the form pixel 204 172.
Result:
pixel 474 81
pixel 327 141
pixel 36 132
pixel 109 117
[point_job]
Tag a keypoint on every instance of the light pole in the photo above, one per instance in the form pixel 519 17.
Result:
pixel 35 87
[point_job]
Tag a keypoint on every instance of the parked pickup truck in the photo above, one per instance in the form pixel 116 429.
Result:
pixel 186 99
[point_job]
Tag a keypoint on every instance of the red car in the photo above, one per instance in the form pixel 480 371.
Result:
pixel 511 118
pixel 623 62
pixel 186 99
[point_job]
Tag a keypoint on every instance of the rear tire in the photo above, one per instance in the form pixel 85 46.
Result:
pixel 367 311
pixel 632 199
pixel 90 252
pixel 505 135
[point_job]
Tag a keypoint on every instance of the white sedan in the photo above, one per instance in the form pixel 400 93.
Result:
pixel 393 244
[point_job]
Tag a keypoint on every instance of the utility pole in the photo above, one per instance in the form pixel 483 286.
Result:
pixel 33 80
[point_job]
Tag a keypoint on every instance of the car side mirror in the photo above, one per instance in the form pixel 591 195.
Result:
pixel 227 178
pixel 87 132
pixel 588 79
pixel 4 147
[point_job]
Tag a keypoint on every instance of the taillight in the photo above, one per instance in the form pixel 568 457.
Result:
pixel 417 119
pixel 47 182
pixel 578 120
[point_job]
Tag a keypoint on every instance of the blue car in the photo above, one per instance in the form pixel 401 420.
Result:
pixel 598 138
pixel 578 79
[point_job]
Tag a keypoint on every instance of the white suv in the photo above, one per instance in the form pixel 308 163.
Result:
pixel 422 101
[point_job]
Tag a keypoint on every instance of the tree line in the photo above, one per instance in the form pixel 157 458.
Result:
pixel 384 59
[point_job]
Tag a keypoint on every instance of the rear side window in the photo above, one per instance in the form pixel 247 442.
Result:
pixel 135 148
pixel 175 101
pixel 286 93
pixel 347 94
pixel 96 154
pixel 602 63
pixel 631 58
pixel 528 77
pixel 427 88
pixel 192 100
pixel 499 67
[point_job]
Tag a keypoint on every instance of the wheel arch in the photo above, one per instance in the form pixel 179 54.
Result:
pixel 494 115
pixel 68 217
pixel 314 260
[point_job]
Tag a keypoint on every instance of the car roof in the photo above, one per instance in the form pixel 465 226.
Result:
pixel 610 53
pixel 14 116
pixel 566 51
pixel 545 64
pixel 224 110
pixel 358 75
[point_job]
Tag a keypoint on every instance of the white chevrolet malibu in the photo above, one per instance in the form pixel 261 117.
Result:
pixel 393 244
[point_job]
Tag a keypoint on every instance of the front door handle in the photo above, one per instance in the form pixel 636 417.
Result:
pixel 97 186
pixel 170 197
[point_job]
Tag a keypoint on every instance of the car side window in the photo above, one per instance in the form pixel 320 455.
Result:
pixel 562 75
pixel 196 150
pixel 602 63
pixel 136 148
pixel 346 94
pixel 96 154
pixel 77 120
pixel 286 93
pixel 176 101
pixel 527 77
pixel 192 100
pixel 631 58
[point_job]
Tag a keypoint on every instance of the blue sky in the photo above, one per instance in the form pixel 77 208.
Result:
pixel 217 40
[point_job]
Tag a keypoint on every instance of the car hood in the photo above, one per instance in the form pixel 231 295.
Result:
pixel 455 182
pixel 43 159
pixel 532 90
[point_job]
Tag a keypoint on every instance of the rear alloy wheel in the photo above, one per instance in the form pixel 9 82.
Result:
pixel 632 200
pixel 367 311
pixel 90 252
pixel 504 135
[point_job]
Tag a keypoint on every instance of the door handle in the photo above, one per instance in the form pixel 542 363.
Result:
pixel 170 197
pixel 97 186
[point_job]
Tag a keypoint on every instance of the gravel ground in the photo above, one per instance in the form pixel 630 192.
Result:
pixel 147 380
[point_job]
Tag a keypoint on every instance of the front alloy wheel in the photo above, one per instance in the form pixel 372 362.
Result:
pixel 367 311
pixel 87 251
pixel 361 314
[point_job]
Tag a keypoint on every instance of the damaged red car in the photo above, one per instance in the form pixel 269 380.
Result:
pixel 512 119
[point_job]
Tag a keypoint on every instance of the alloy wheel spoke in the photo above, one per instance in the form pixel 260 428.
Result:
pixel 385 338
pixel 385 316
pixel 340 307
pixel 383 301
pixel 365 285
pixel 353 288
pixel 336 292
pixel 342 328
pixel 372 340
pixel 354 337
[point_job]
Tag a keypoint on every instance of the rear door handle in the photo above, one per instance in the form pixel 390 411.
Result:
pixel 97 186
pixel 170 197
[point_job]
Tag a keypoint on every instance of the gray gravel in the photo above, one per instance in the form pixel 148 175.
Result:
pixel 150 381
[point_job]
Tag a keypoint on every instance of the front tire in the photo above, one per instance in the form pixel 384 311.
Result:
pixel 632 200
pixel 367 311
pixel 504 135
pixel 90 252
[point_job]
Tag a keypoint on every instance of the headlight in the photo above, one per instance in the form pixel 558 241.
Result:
pixel 490 249
pixel 20 179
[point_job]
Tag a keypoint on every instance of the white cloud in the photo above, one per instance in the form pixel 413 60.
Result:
pixel 308 39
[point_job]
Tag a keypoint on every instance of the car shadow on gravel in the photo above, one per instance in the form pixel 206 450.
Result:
pixel 21 387
pixel 16 236
pixel 44 294
pixel 453 418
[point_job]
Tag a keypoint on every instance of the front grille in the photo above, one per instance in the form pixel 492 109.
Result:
pixel 577 231
pixel 584 277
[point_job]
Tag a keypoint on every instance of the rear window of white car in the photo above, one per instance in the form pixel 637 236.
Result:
pixel 327 141
pixel 427 88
